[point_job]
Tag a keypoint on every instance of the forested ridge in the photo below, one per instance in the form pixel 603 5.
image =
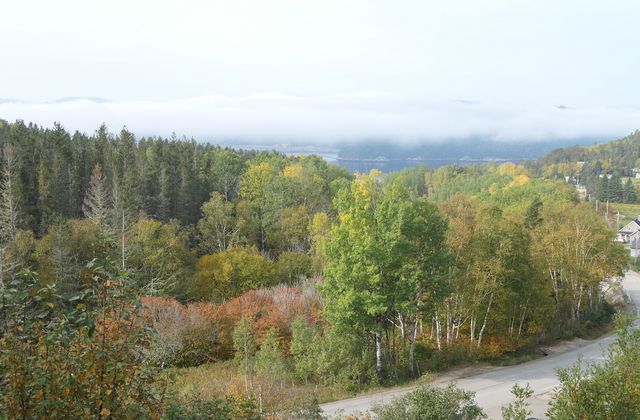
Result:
pixel 166 178
pixel 183 197
pixel 290 270
pixel 454 149
pixel 606 169
pixel 621 155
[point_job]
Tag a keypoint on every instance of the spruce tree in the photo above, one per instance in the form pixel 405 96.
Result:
pixel 8 203
pixel 629 192
pixel 96 202
pixel 46 205
pixel 164 196
pixel 8 211
pixel 532 217
pixel 61 150
pixel 615 189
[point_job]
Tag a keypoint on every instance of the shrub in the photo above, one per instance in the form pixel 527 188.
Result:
pixel 293 267
pixel 343 359
pixel 244 344
pixel 302 336
pixel 519 409
pixel 310 411
pixel 269 360
pixel 196 408
pixel 230 273
pixel 206 335
pixel 78 357
pixel 603 391
pixel 431 359
pixel 188 335
pixel 429 403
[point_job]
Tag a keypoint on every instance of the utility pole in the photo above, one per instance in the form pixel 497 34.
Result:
pixel 618 222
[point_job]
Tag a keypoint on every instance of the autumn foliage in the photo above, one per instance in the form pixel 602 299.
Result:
pixel 195 333
pixel 78 357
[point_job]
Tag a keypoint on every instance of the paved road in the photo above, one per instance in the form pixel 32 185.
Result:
pixel 492 387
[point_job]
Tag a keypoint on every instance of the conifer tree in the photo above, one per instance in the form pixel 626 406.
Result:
pixel 629 192
pixel 46 205
pixel 96 202
pixel 8 210
pixel 164 196
pixel 615 190
pixel 532 217
pixel 8 204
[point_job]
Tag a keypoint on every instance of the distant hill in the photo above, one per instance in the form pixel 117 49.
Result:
pixel 618 156
pixel 81 98
pixel 461 149
pixel 607 170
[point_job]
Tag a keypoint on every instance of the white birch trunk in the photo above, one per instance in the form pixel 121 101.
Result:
pixel 484 323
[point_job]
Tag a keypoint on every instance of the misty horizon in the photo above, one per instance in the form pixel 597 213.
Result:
pixel 329 121
pixel 325 72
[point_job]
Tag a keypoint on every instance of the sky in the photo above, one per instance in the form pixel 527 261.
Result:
pixel 325 71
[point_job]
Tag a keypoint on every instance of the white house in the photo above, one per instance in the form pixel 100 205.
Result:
pixel 631 231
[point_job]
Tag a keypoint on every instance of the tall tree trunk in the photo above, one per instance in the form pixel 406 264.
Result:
pixel 402 327
pixel 379 348
pixel 448 321
pixel 2 271
pixel 263 240
pixel 576 316
pixel 524 313
pixel 414 332
pixel 512 322
pixel 484 323
pixel 123 238
pixel 432 328
pixel 472 330
pixel 438 332
pixel 388 353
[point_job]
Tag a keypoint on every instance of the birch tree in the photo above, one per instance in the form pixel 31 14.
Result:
pixel 386 260
pixel 356 292
pixel 216 227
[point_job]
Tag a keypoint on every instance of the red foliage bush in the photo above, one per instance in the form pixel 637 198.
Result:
pixel 196 333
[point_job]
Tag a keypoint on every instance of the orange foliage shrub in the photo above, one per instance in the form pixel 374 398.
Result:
pixel 188 335
pixel 196 333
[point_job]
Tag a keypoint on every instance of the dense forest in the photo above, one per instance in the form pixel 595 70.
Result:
pixel 122 258
pixel 168 202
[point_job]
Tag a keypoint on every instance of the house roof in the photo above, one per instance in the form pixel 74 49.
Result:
pixel 630 228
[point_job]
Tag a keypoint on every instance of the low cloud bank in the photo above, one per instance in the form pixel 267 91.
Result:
pixel 270 117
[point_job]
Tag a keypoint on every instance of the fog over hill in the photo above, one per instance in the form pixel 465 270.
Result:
pixel 334 120
pixel 469 149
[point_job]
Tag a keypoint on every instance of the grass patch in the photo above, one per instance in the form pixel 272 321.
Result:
pixel 217 380
pixel 628 212
pixel 596 331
